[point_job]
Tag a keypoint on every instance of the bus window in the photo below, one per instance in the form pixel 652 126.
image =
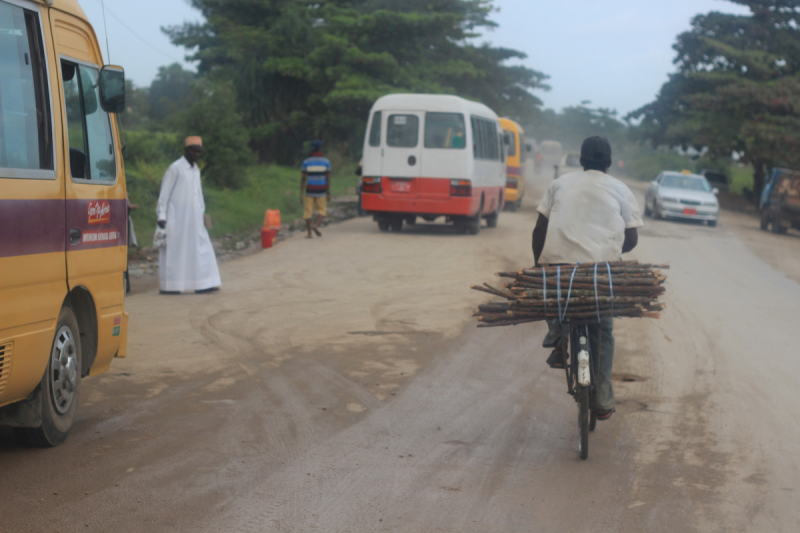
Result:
pixel 444 130
pixel 375 129
pixel 512 143
pixel 502 152
pixel 25 129
pixel 402 131
pixel 91 145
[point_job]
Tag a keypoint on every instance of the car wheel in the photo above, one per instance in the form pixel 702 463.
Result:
pixel 712 223
pixel 60 386
pixel 764 220
pixel 656 211
pixel 647 211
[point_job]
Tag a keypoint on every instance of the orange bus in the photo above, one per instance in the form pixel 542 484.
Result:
pixel 63 215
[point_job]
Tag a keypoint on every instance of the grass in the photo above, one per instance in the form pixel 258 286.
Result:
pixel 237 211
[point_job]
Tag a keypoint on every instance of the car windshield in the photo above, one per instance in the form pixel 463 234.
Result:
pixel 685 182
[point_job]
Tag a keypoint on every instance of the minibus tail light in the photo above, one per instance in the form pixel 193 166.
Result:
pixel 370 184
pixel 511 184
pixel 460 188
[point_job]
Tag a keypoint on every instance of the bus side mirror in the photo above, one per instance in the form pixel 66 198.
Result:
pixel 112 89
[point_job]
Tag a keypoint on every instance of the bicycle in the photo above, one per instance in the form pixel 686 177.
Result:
pixel 581 369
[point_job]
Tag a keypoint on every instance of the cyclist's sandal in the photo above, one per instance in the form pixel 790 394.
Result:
pixel 556 359
pixel 604 414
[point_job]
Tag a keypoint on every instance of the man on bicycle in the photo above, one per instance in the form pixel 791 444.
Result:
pixel 587 217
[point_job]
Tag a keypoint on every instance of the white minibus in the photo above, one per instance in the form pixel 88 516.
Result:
pixel 418 162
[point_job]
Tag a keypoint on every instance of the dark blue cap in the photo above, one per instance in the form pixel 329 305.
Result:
pixel 316 145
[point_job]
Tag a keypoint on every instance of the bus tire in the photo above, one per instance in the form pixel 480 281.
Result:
pixel 397 224
pixel 60 387
pixel 383 225
pixel 491 220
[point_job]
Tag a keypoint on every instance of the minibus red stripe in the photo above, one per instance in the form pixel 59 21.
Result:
pixel 29 227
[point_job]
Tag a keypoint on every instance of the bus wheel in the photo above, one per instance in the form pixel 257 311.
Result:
pixel 397 224
pixel 60 386
pixel 473 225
pixel 383 225
pixel 491 220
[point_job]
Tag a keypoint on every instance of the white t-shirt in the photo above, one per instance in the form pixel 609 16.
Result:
pixel 588 213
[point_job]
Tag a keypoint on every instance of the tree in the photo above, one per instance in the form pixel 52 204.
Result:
pixel 170 91
pixel 575 123
pixel 212 114
pixel 304 70
pixel 737 89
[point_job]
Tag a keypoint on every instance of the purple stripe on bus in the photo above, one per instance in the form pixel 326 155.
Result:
pixel 110 230
pixel 30 227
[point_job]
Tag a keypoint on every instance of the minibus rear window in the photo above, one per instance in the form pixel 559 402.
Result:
pixel 402 131
pixel 444 130
pixel 25 130
pixel 375 129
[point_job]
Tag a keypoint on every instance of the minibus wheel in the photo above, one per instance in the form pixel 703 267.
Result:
pixel 491 220
pixel 383 225
pixel 397 224
pixel 60 386
pixel 474 224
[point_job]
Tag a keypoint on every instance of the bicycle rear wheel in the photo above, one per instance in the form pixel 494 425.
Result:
pixel 583 419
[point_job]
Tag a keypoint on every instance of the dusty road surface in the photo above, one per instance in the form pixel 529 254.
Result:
pixel 339 385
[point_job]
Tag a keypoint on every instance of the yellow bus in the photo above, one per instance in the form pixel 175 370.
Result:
pixel 515 163
pixel 63 215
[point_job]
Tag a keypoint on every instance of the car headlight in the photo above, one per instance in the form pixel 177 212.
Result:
pixel 668 199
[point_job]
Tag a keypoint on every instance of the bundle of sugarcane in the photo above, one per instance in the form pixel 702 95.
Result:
pixel 586 291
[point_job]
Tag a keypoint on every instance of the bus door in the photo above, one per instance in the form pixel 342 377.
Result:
pixel 96 206
pixel 402 153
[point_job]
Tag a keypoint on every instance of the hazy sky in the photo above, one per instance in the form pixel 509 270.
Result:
pixel 615 53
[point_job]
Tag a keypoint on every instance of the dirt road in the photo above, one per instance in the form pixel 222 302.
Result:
pixel 338 385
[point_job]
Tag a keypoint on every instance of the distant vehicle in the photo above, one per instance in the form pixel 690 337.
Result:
pixel 548 155
pixel 417 162
pixel 63 216
pixel 514 137
pixel 570 162
pixel 715 179
pixel 780 202
pixel 682 195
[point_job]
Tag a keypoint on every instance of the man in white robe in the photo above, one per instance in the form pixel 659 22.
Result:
pixel 187 262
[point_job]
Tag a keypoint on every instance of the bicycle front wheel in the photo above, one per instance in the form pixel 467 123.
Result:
pixel 583 419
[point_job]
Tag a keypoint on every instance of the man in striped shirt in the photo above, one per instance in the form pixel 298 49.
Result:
pixel 315 188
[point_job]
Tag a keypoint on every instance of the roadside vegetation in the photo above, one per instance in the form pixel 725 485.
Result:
pixel 271 76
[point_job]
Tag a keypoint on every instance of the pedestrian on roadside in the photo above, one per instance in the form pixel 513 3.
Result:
pixel 187 262
pixel 315 187
pixel 132 242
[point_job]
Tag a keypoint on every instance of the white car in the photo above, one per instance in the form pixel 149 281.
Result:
pixel 682 195
pixel 570 162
